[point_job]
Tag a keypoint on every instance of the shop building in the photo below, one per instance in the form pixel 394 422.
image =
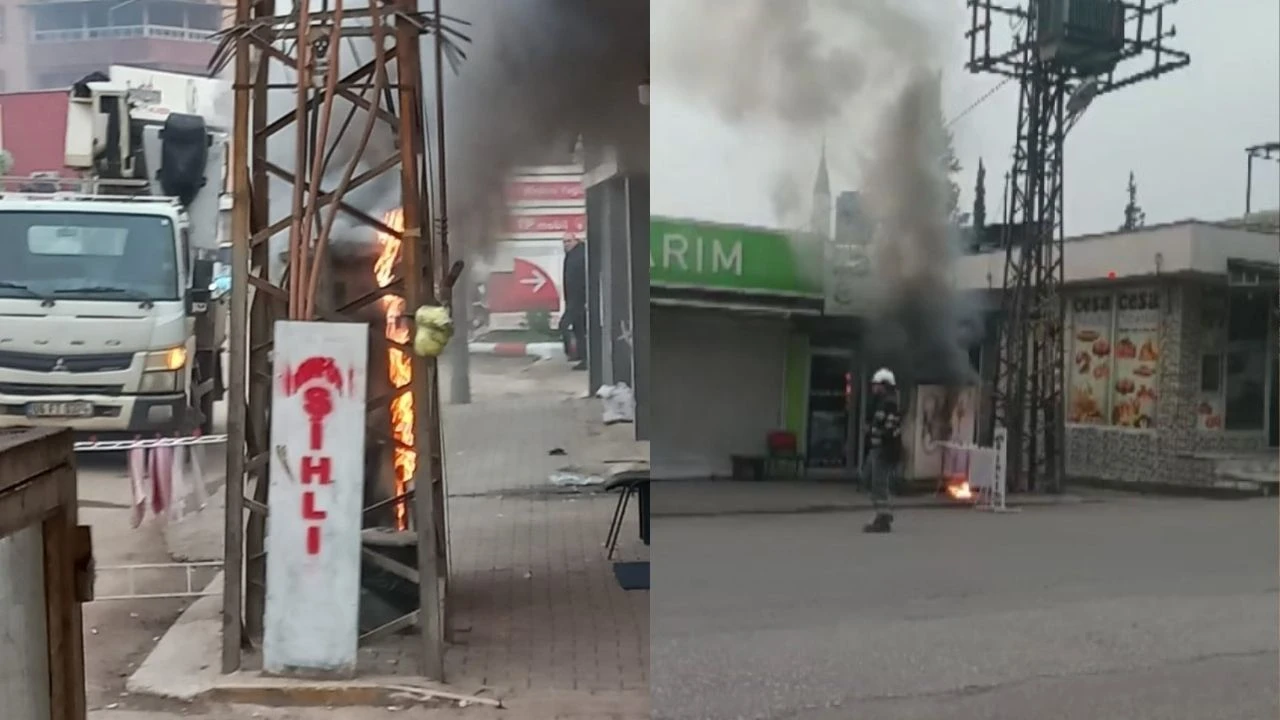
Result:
pixel 727 344
pixel 1171 364
pixel 1171 371
pixel 616 182
pixel 747 341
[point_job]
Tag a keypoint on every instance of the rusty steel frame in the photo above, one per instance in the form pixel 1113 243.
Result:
pixel 311 39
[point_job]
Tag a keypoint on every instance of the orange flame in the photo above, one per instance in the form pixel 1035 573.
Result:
pixel 399 368
pixel 959 489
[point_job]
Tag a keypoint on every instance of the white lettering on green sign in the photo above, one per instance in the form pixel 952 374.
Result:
pixel 699 256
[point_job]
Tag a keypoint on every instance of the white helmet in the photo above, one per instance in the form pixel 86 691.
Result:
pixel 883 376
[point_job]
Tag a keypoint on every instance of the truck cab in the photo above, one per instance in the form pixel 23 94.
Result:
pixel 107 324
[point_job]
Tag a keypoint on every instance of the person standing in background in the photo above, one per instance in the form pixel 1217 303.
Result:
pixel 884 437
pixel 573 323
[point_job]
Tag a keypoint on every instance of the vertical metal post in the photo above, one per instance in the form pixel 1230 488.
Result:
pixel 233 545
pixel 460 357
pixel 1248 183
pixel 262 316
pixel 442 183
pixel 419 282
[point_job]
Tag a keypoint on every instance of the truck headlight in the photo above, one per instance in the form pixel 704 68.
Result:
pixel 175 358
pixel 169 381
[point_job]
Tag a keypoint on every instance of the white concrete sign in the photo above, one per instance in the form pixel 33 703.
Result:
pixel 317 487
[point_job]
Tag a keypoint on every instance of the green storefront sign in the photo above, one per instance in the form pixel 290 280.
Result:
pixel 692 254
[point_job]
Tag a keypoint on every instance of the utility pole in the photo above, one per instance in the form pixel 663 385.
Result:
pixel 1265 151
pixel 332 93
pixel 1063 55
pixel 459 354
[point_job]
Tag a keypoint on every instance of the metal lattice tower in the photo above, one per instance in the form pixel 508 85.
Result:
pixel 332 94
pixel 1063 54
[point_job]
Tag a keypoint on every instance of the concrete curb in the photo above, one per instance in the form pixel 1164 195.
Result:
pixel 257 689
pixel 182 666
pixel 543 350
pixel 905 503
pixel 1221 488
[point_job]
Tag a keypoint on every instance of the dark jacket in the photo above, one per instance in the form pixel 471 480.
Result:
pixel 885 430
pixel 575 280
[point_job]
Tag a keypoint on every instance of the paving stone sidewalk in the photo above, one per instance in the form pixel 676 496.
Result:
pixel 536 602
pixel 535 605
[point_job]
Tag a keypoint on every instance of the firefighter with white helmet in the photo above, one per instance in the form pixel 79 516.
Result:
pixel 884 438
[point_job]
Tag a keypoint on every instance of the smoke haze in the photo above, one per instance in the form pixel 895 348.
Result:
pixel 537 75
pixel 863 74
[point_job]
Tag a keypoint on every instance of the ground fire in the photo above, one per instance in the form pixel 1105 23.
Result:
pixel 399 369
pixel 960 490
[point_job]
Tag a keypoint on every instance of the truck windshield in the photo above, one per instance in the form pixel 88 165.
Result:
pixel 81 255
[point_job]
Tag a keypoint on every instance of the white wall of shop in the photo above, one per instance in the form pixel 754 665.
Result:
pixel 717 389
pixel 1185 247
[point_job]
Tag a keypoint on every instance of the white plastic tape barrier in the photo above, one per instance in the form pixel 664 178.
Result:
pixel 166 477
pixel 121 445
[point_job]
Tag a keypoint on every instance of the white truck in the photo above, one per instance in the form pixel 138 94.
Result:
pixel 107 325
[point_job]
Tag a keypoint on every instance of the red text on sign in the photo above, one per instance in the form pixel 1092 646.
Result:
pixel 320 377
pixel 317 469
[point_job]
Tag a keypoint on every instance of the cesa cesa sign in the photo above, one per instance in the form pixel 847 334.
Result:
pixel 317 489
pixel 1123 301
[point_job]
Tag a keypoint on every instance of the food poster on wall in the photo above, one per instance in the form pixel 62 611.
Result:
pixel 1088 389
pixel 1137 359
pixel 1210 404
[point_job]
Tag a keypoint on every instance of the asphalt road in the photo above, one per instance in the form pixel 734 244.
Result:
pixel 1131 609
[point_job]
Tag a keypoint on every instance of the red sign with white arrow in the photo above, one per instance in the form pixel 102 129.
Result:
pixel 526 288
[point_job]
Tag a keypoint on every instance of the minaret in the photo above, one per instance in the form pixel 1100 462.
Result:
pixel 820 219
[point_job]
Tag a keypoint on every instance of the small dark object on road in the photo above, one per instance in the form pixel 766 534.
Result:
pixel 632 575
pixel 882 523
pixel 556 451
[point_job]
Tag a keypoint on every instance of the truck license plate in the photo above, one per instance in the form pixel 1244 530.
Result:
pixel 74 409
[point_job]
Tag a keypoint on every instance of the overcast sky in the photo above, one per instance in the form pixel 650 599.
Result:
pixel 1183 134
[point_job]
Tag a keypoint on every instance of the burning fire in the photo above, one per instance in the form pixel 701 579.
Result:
pixel 959 489
pixel 399 369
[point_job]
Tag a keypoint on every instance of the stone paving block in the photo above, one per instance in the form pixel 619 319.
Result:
pixel 534 603
pixel 550 613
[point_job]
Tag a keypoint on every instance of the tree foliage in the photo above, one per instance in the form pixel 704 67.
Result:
pixel 980 198
pixel 942 145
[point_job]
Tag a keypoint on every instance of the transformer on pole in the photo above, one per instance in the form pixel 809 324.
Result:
pixel 349 74
pixel 1063 53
